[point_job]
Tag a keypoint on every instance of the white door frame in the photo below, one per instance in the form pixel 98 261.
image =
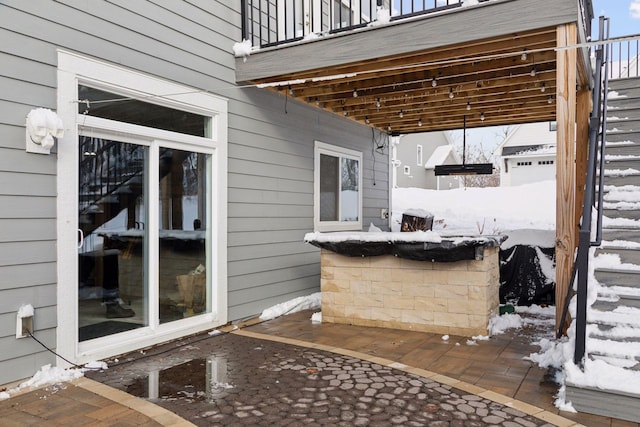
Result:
pixel 72 70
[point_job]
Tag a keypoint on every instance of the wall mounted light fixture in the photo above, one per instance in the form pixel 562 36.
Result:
pixel 43 128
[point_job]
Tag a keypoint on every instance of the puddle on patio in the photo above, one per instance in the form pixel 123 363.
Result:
pixel 199 379
pixel 231 379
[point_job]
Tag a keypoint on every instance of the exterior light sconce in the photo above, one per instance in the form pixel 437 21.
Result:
pixel 44 127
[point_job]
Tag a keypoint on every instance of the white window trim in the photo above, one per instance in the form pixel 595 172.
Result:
pixel 74 69
pixel 334 150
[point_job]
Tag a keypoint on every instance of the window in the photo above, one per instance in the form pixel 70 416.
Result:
pixel 523 164
pixel 337 188
pixel 407 170
pixel 545 162
pixel 419 155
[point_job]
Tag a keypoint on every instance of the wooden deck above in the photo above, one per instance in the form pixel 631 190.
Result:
pixel 494 63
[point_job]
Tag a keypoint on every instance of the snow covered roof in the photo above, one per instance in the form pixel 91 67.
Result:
pixel 438 157
pixel 528 138
pixel 529 150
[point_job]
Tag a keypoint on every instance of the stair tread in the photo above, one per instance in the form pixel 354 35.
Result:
pixel 618 270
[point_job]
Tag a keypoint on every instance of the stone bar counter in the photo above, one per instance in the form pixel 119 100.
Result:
pixel 414 281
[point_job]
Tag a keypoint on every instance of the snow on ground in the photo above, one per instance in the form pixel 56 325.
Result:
pixel 52 375
pixel 292 306
pixel 474 211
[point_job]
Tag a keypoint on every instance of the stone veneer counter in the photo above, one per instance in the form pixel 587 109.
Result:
pixel 415 281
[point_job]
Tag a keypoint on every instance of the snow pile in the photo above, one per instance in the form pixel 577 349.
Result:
pixel 473 211
pixel 467 3
pixel 374 229
pixel 52 375
pixel 383 17
pixel 499 324
pixel 614 95
pixel 531 237
pixel 316 317
pixel 242 49
pixel 356 236
pixel 308 302
pixel 25 311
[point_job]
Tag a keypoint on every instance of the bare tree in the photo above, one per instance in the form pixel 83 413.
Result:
pixel 478 153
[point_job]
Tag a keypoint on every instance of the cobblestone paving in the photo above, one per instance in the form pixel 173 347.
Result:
pixel 235 380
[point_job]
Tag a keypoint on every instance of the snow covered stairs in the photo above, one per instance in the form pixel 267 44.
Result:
pixel 613 329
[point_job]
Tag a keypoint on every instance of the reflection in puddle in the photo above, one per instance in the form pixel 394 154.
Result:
pixel 195 380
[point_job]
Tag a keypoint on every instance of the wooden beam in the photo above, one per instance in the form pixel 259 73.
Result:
pixel 565 162
pixel 582 147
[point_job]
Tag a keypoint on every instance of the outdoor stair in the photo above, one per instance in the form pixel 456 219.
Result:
pixel 613 320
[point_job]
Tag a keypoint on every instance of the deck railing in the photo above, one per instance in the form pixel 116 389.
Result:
pixel 273 22
pixel 625 58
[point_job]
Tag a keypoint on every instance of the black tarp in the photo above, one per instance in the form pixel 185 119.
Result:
pixel 445 251
pixel 522 280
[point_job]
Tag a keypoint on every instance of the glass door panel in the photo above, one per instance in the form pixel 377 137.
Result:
pixel 112 248
pixel 183 193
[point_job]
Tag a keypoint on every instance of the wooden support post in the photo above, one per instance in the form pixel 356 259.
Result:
pixel 583 112
pixel 566 73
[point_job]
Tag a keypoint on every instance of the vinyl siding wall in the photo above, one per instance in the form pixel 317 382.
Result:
pixel 270 164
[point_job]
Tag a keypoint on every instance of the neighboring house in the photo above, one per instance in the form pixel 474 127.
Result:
pixel 415 157
pixel 177 200
pixel 528 154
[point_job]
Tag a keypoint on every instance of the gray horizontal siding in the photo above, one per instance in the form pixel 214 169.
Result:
pixel 25 206
pixel 246 195
pixel 21 161
pixel 262 237
pixel 25 275
pixel 25 365
pixel 12 68
pixel 16 253
pixel 250 281
pixel 270 165
pixel 37 296
pixel 261 265
pixel 12 135
pixel 27 229
pixel 18 183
